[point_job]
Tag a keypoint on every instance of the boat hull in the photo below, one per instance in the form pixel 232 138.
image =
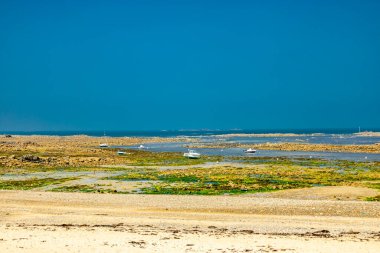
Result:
pixel 192 156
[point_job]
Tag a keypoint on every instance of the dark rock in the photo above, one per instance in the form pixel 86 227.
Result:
pixel 8 136
pixel 321 233
pixel 30 158
pixel 30 143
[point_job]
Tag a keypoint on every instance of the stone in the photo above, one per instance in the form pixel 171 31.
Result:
pixel 30 158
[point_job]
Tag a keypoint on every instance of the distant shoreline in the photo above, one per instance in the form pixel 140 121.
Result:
pixel 288 146
pixel 194 133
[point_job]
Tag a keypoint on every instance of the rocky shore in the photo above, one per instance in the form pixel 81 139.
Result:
pixel 82 151
pixel 63 151
pixel 289 146
pixel 365 133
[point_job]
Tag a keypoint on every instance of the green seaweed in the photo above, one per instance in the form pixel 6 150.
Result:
pixel 376 198
pixel 28 184
pixel 84 188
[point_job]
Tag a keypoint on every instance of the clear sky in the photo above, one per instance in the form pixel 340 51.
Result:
pixel 152 65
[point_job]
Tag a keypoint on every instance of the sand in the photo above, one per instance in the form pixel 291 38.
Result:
pixel 32 221
pixel 324 193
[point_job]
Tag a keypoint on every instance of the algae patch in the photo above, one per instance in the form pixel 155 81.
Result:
pixel 31 183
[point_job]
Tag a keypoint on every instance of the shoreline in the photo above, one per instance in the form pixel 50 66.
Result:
pixel 290 146
pixel 153 134
pixel 313 219
pixel 139 223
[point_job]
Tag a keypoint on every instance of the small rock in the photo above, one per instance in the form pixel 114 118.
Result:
pixel 30 158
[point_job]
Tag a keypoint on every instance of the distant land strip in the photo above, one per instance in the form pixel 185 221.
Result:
pixel 288 146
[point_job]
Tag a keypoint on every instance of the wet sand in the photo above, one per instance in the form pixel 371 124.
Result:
pixel 34 221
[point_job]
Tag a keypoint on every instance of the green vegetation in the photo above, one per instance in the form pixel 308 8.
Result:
pixel 145 158
pixel 256 174
pixel 310 162
pixel 376 198
pixel 84 188
pixel 137 175
pixel 31 183
pixel 373 184
pixel 75 188
pixel 255 178
pixel 52 161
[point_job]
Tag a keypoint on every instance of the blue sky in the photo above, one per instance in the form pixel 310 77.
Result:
pixel 151 65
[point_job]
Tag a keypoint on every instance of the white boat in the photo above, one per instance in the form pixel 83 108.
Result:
pixel 105 144
pixel 142 147
pixel 192 154
pixel 121 152
pixel 250 151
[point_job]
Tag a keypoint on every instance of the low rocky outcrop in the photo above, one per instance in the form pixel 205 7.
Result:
pixel 31 158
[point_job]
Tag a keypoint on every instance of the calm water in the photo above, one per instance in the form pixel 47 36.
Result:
pixel 327 136
pixel 337 139
pixel 180 147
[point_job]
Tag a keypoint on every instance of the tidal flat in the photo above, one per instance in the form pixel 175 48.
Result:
pixel 76 164
pixel 68 187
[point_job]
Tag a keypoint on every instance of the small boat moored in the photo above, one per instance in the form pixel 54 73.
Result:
pixel 104 144
pixel 250 151
pixel 192 154
pixel 121 152
pixel 142 147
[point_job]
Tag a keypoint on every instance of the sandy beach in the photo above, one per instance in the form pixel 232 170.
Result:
pixel 34 221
